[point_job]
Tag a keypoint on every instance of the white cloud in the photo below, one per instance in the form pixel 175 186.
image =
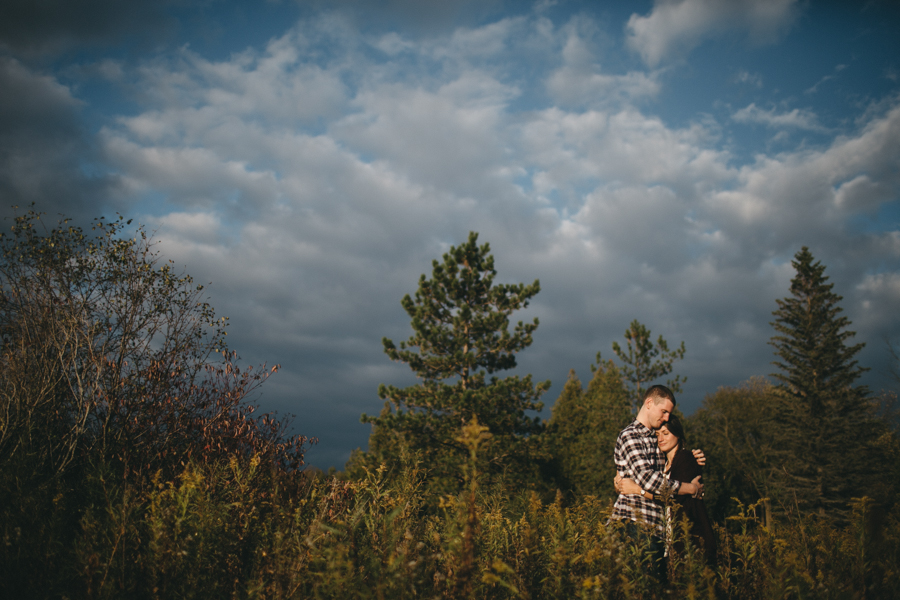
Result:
pixel 433 137
pixel 393 44
pixel 196 176
pixel 277 84
pixel 862 194
pixel 752 79
pixel 883 284
pixel 876 294
pixel 487 40
pixel 621 148
pixel 795 119
pixel 580 81
pixel 810 194
pixel 574 87
pixel 815 88
pixel 675 27
pixel 198 227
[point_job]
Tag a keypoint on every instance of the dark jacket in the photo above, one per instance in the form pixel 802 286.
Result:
pixel 685 468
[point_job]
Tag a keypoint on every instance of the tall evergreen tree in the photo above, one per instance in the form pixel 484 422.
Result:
pixel 643 361
pixel 825 428
pixel 460 320
pixel 583 429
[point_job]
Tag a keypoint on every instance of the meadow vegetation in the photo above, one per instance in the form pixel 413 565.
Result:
pixel 133 463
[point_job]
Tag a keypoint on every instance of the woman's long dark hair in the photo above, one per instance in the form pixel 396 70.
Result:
pixel 675 428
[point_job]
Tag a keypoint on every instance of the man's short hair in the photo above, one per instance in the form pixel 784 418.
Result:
pixel 659 393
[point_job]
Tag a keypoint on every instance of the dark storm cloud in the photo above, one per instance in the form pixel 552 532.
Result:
pixel 45 156
pixel 37 27
pixel 33 28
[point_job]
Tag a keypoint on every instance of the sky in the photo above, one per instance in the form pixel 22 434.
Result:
pixel 660 161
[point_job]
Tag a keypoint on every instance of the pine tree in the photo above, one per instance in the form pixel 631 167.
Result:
pixel 640 364
pixel 583 429
pixel 824 426
pixel 460 319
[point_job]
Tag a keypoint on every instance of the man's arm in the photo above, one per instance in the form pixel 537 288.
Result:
pixel 628 487
pixel 636 460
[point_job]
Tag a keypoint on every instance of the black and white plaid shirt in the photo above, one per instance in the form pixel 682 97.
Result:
pixel 638 457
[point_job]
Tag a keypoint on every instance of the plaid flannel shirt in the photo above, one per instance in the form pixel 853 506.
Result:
pixel 638 457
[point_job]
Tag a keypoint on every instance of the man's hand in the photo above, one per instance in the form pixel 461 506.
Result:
pixel 699 456
pixel 626 487
pixel 698 486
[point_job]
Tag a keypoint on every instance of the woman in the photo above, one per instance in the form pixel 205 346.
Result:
pixel 680 466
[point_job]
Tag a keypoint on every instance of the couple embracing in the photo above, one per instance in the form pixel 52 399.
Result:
pixel 653 466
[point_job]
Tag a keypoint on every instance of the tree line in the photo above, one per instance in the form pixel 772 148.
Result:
pixel 809 439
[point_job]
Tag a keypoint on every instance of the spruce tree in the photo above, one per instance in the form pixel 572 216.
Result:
pixel 460 319
pixel 824 429
pixel 645 361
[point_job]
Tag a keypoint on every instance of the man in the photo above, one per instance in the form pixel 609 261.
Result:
pixel 638 457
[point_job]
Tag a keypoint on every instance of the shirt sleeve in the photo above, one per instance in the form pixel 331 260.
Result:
pixel 640 463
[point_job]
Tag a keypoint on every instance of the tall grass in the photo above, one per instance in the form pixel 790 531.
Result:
pixel 238 529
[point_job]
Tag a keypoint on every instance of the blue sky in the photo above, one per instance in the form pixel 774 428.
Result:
pixel 653 160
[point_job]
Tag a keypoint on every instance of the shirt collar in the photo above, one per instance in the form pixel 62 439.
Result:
pixel 643 428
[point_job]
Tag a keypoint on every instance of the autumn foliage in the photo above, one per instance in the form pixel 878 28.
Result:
pixel 110 355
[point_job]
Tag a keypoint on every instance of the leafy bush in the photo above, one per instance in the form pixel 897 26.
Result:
pixel 115 371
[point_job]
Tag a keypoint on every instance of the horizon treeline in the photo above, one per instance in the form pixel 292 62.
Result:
pixel 133 462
